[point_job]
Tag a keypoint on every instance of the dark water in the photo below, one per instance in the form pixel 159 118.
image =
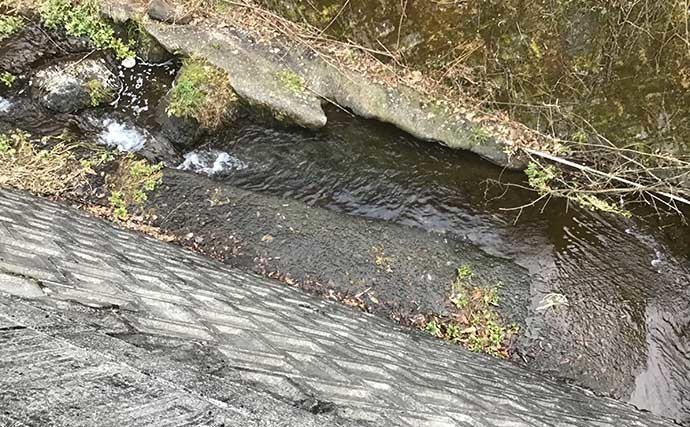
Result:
pixel 620 66
pixel 627 283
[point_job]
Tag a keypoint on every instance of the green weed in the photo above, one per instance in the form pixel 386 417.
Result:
pixel 474 322
pixel 7 79
pixel 83 18
pixel 9 25
pixel 130 183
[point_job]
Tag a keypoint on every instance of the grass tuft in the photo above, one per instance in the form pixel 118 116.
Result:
pixel 202 92
pixel 53 171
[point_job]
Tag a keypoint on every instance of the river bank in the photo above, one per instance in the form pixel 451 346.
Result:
pixel 373 218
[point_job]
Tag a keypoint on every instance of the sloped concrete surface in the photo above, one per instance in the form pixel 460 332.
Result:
pixel 129 331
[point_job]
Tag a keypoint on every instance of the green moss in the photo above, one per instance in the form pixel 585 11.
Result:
pixel 9 25
pixel 7 78
pixel 202 92
pixel 97 92
pixel 189 94
pixel 84 19
pixel 291 81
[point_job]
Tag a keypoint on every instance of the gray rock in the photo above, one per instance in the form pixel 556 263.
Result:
pixel 182 132
pixel 120 11
pixel 73 86
pixel 162 10
pixel 293 85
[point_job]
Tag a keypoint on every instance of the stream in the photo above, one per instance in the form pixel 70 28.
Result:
pixel 610 297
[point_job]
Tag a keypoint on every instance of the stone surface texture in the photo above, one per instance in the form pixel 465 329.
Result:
pixel 101 326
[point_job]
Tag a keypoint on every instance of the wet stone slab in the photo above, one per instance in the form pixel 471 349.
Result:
pixel 229 348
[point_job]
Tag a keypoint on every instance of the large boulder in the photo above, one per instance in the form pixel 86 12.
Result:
pixel 72 86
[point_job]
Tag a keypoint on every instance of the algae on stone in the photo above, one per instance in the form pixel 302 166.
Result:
pixel 202 92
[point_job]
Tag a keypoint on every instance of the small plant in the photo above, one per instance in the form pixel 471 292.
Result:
pixel 97 92
pixel 480 135
pixel 7 78
pixel 202 92
pixel 475 322
pixel 83 18
pixel 594 203
pixel 119 205
pixel 433 328
pixel 5 144
pixel 291 81
pixel 130 183
pixel 539 178
pixel 9 25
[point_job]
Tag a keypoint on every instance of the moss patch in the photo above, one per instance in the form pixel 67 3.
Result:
pixel 291 81
pixel 202 92
pixel 9 25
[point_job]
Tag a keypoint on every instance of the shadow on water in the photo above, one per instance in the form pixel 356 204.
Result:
pixel 625 283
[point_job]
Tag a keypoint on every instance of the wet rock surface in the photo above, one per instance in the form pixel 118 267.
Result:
pixel 69 87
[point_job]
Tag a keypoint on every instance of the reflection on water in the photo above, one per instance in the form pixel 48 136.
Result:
pixel 622 66
pixel 611 271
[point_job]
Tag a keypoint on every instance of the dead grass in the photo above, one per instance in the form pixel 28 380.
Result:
pixel 51 172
